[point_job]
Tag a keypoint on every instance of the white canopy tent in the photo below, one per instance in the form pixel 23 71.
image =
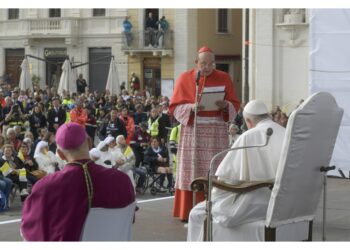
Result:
pixel 68 79
pixel 25 81
pixel 330 71
pixel 113 84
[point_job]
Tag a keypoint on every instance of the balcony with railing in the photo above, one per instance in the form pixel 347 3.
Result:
pixel 62 27
pixel 158 43
pixel 53 27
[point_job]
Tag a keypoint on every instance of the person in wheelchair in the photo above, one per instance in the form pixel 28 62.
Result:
pixel 141 142
pixel 158 159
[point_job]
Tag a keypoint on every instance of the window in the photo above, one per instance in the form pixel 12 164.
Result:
pixel 222 21
pixel 223 67
pixel 98 12
pixel 54 12
pixel 13 14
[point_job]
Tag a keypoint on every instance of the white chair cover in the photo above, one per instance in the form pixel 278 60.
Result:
pixel 309 142
pixel 109 224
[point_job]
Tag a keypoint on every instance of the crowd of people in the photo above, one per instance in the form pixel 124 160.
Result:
pixel 121 129
pixel 29 121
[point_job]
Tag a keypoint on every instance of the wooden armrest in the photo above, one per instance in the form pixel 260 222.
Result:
pixel 201 184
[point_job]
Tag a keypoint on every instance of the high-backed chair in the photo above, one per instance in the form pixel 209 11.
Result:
pixel 308 145
pixel 109 224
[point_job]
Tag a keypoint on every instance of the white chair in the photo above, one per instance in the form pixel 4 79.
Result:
pixel 109 224
pixel 308 145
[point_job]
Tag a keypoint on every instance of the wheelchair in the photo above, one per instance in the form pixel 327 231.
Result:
pixel 152 181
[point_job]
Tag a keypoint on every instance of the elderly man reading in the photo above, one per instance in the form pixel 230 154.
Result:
pixel 230 209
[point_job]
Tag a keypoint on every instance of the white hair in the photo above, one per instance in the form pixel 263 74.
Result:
pixel 118 137
pixel 9 130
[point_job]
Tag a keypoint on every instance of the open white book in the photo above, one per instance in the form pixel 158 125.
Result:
pixel 210 95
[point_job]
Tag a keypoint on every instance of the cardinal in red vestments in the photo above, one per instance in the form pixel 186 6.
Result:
pixel 211 128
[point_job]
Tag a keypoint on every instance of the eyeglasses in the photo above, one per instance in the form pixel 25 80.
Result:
pixel 205 64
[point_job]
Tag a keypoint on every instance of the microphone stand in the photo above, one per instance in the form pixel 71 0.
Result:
pixel 209 225
pixel 194 141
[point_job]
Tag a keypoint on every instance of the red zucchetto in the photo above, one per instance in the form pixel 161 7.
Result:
pixel 204 49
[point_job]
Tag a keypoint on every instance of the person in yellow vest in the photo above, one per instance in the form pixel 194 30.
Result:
pixel 67 100
pixel 126 163
pixel 173 142
pixel 67 115
pixel 153 123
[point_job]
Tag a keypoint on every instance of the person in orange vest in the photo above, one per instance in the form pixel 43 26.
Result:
pixel 128 123
pixel 79 114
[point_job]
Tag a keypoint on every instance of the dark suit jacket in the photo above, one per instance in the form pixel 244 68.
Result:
pixel 51 118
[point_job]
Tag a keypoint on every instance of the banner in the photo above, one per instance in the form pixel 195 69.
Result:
pixel 330 72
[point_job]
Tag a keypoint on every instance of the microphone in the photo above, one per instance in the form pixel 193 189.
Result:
pixel 198 77
pixel 268 133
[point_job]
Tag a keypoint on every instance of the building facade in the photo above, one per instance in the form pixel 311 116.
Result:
pixel 91 36
pixel 49 36
pixel 278 56
pixel 189 29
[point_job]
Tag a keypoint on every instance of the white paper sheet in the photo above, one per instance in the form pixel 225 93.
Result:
pixel 210 96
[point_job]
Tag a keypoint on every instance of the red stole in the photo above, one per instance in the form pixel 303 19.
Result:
pixel 185 90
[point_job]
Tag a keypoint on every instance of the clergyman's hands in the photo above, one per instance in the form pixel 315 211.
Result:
pixel 221 104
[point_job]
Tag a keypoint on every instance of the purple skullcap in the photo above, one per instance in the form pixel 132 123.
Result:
pixel 70 135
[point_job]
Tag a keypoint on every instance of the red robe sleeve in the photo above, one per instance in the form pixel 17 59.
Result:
pixel 185 90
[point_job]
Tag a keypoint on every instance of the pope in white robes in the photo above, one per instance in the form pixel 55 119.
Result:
pixel 231 209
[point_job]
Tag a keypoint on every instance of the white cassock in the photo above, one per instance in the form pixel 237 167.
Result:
pixel 230 209
pixel 47 162
pixel 129 164
pixel 105 157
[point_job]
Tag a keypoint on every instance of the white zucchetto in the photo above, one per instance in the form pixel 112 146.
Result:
pixel 255 107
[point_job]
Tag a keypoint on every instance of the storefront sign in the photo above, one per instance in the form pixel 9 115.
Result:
pixel 55 52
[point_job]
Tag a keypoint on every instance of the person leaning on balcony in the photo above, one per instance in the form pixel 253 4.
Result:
pixel 151 27
pixel 127 26
pixel 163 29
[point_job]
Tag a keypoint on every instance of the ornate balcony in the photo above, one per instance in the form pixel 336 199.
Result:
pixel 157 43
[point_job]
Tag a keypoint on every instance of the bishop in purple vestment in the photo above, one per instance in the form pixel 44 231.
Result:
pixel 58 205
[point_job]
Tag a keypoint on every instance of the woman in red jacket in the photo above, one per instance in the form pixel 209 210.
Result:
pixel 128 123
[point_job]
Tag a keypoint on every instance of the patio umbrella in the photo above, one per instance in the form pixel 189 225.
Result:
pixel 25 81
pixel 113 84
pixel 68 79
